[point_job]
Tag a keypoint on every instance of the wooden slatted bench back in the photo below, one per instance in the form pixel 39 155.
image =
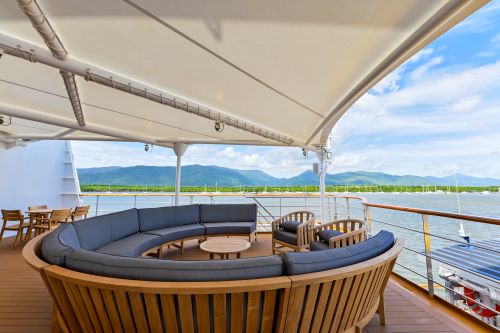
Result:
pixel 337 300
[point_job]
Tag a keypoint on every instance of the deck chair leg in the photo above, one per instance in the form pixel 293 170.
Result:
pixel 1 232
pixel 15 240
pixel 182 248
pixel 381 309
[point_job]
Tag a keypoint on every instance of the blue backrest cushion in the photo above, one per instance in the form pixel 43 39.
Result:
pixel 290 226
pixel 95 232
pixel 165 217
pixel 59 243
pixel 316 261
pixel 228 213
pixel 174 270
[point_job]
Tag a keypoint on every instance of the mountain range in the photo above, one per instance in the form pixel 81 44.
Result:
pixel 200 175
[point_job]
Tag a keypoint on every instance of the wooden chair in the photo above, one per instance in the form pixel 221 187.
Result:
pixel 49 223
pixel 80 212
pixel 306 220
pixel 353 232
pixel 13 216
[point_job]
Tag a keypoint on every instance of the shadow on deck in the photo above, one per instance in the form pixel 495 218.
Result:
pixel 25 305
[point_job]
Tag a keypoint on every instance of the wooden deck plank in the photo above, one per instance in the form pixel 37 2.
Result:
pixel 25 305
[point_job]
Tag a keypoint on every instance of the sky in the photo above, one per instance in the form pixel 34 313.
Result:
pixel 436 115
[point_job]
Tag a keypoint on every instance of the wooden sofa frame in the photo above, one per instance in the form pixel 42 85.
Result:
pixel 306 218
pixel 337 300
pixel 354 232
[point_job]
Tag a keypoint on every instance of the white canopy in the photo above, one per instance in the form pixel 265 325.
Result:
pixel 274 72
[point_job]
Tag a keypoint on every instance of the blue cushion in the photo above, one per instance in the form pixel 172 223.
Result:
pixel 179 232
pixel 60 242
pixel 325 235
pixel 228 228
pixel 228 213
pixel 174 270
pixel 164 217
pixel 131 246
pixel 286 236
pixel 318 246
pixel 95 232
pixel 308 262
pixel 290 226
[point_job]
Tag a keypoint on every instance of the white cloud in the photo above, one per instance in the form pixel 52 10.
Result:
pixel 495 39
pixel 485 54
pixel 474 155
pixel 423 69
pixel 421 54
pixel 466 104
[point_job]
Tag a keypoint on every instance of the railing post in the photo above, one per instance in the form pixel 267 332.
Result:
pixel 335 208
pixel 96 205
pixel 428 260
pixel 135 201
pixel 368 219
pixel 280 208
pixel 348 212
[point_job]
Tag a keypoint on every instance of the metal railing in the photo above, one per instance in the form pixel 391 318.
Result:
pixel 274 205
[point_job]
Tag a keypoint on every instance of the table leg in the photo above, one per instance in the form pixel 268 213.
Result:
pixel 238 255
pixel 211 256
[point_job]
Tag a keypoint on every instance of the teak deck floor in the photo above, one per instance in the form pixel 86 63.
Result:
pixel 25 305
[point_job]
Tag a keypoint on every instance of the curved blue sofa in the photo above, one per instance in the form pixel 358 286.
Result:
pixel 111 245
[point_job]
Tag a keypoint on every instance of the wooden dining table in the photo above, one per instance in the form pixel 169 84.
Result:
pixel 35 215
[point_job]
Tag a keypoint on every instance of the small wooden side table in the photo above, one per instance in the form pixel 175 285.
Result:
pixel 225 246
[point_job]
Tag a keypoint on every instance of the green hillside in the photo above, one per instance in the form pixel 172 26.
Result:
pixel 200 175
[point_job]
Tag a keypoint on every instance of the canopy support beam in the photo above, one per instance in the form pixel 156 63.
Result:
pixel 30 52
pixel 41 117
pixel 179 149
pixel 41 24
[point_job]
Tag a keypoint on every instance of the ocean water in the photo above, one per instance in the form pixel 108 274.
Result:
pixel 405 225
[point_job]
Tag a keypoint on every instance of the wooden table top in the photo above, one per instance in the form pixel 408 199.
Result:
pixel 38 211
pixel 222 245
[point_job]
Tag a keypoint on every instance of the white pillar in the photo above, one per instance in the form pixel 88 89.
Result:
pixel 323 166
pixel 179 149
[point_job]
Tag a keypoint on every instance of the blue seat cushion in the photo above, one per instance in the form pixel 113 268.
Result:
pixel 242 228
pixel 228 213
pixel 290 226
pixel 174 270
pixel 165 217
pixel 325 235
pixel 179 232
pixel 131 246
pixel 315 261
pixel 60 242
pixel 95 232
pixel 318 246
pixel 286 236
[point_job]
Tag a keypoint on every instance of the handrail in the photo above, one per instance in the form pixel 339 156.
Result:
pixel 214 194
pixel 472 218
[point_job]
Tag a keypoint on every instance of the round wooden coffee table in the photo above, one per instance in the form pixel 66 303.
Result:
pixel 225 246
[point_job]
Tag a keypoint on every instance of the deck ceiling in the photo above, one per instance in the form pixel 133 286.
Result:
pixel 290 67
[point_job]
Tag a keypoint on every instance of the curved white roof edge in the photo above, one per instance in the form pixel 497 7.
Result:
pixel 257 96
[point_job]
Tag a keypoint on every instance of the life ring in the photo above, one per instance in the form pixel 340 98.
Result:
pixel 474 306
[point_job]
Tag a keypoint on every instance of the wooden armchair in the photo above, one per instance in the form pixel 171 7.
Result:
pixel 297 239
pixel 80 212
pixel 57 216
pixel 352 232
pixel 13 216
